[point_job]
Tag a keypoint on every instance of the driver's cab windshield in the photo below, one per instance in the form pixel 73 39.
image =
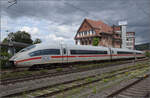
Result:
pixel 28 48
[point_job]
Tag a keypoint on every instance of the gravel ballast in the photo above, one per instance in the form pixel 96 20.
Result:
pixel 39 83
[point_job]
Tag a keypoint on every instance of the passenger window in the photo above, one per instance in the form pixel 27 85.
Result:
pixel 64 51
pixel 35 53
pixel 45 52
pixel 87 52
pixel 112 52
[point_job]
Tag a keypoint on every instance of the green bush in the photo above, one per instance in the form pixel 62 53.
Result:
pixel 4 60
pixel 147 54
pixel 3 63
pixel 95 42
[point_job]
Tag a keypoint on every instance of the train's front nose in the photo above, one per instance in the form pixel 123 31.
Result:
pixel 12 60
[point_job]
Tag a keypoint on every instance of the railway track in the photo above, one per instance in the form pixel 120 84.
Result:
pixel 53 72
pixel 138 89
pixel 69 85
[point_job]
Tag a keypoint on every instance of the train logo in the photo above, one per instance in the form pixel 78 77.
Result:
pixel 45 58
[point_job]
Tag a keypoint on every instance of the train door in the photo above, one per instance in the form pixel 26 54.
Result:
pixel 64 54
pixel 110 52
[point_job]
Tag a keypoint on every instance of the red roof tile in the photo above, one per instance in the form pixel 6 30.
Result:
pixel 100 25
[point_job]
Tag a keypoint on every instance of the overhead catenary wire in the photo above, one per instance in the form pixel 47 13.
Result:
pixel 85 11
pixel 11 2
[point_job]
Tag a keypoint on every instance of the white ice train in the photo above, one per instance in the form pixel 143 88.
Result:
pixel 41 54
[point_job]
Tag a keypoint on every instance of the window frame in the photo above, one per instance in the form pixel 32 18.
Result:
pixel 41 52
pixel 86 52
pixel 124 52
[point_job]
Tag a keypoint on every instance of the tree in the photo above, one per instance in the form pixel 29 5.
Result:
pixel 95 42
pixel 37 40
pixel 147 54
pixel 21 36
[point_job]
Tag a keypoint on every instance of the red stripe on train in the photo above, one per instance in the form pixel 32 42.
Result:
pixel 35 58
pixel 78 56
pixel 63 56
pixel 93 55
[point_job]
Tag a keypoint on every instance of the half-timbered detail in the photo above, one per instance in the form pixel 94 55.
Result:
pixel 90 29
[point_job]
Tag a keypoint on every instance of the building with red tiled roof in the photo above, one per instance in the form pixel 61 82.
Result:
pixel 109 36
pixel 101 26
pixel 90 29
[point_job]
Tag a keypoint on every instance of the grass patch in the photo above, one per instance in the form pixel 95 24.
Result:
pixel 89 79
pixel 44 71
pixel 94 90
pixel 59 69
pixel 21 74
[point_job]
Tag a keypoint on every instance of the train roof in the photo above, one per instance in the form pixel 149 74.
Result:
pixel 122 49
pixel 47 45
pixel 68 45
pixel 86 46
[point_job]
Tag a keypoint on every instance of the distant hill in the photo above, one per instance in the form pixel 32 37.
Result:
pixel 145 46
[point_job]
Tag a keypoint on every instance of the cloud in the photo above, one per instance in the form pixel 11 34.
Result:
pixel 60 19
pixel 32 30
pixel 4 24
pixel 60 33
pixel 53 37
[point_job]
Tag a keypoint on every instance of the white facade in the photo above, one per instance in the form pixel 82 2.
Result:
pixel 123 25
pixel 130 41
pixel 127 38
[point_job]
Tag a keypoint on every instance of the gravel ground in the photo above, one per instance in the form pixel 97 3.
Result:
pixel 34 84
pixel 94 90
pixel 112 89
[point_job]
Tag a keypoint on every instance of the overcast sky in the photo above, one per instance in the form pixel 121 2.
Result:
pixel 59 20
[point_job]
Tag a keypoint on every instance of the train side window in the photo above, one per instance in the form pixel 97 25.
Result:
pixel 35 53
pixel 123 52
pixel 45 52
pixel 64 51
pixel 138 53
pixel 112 51
pixel 50 52
pixel 76 52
